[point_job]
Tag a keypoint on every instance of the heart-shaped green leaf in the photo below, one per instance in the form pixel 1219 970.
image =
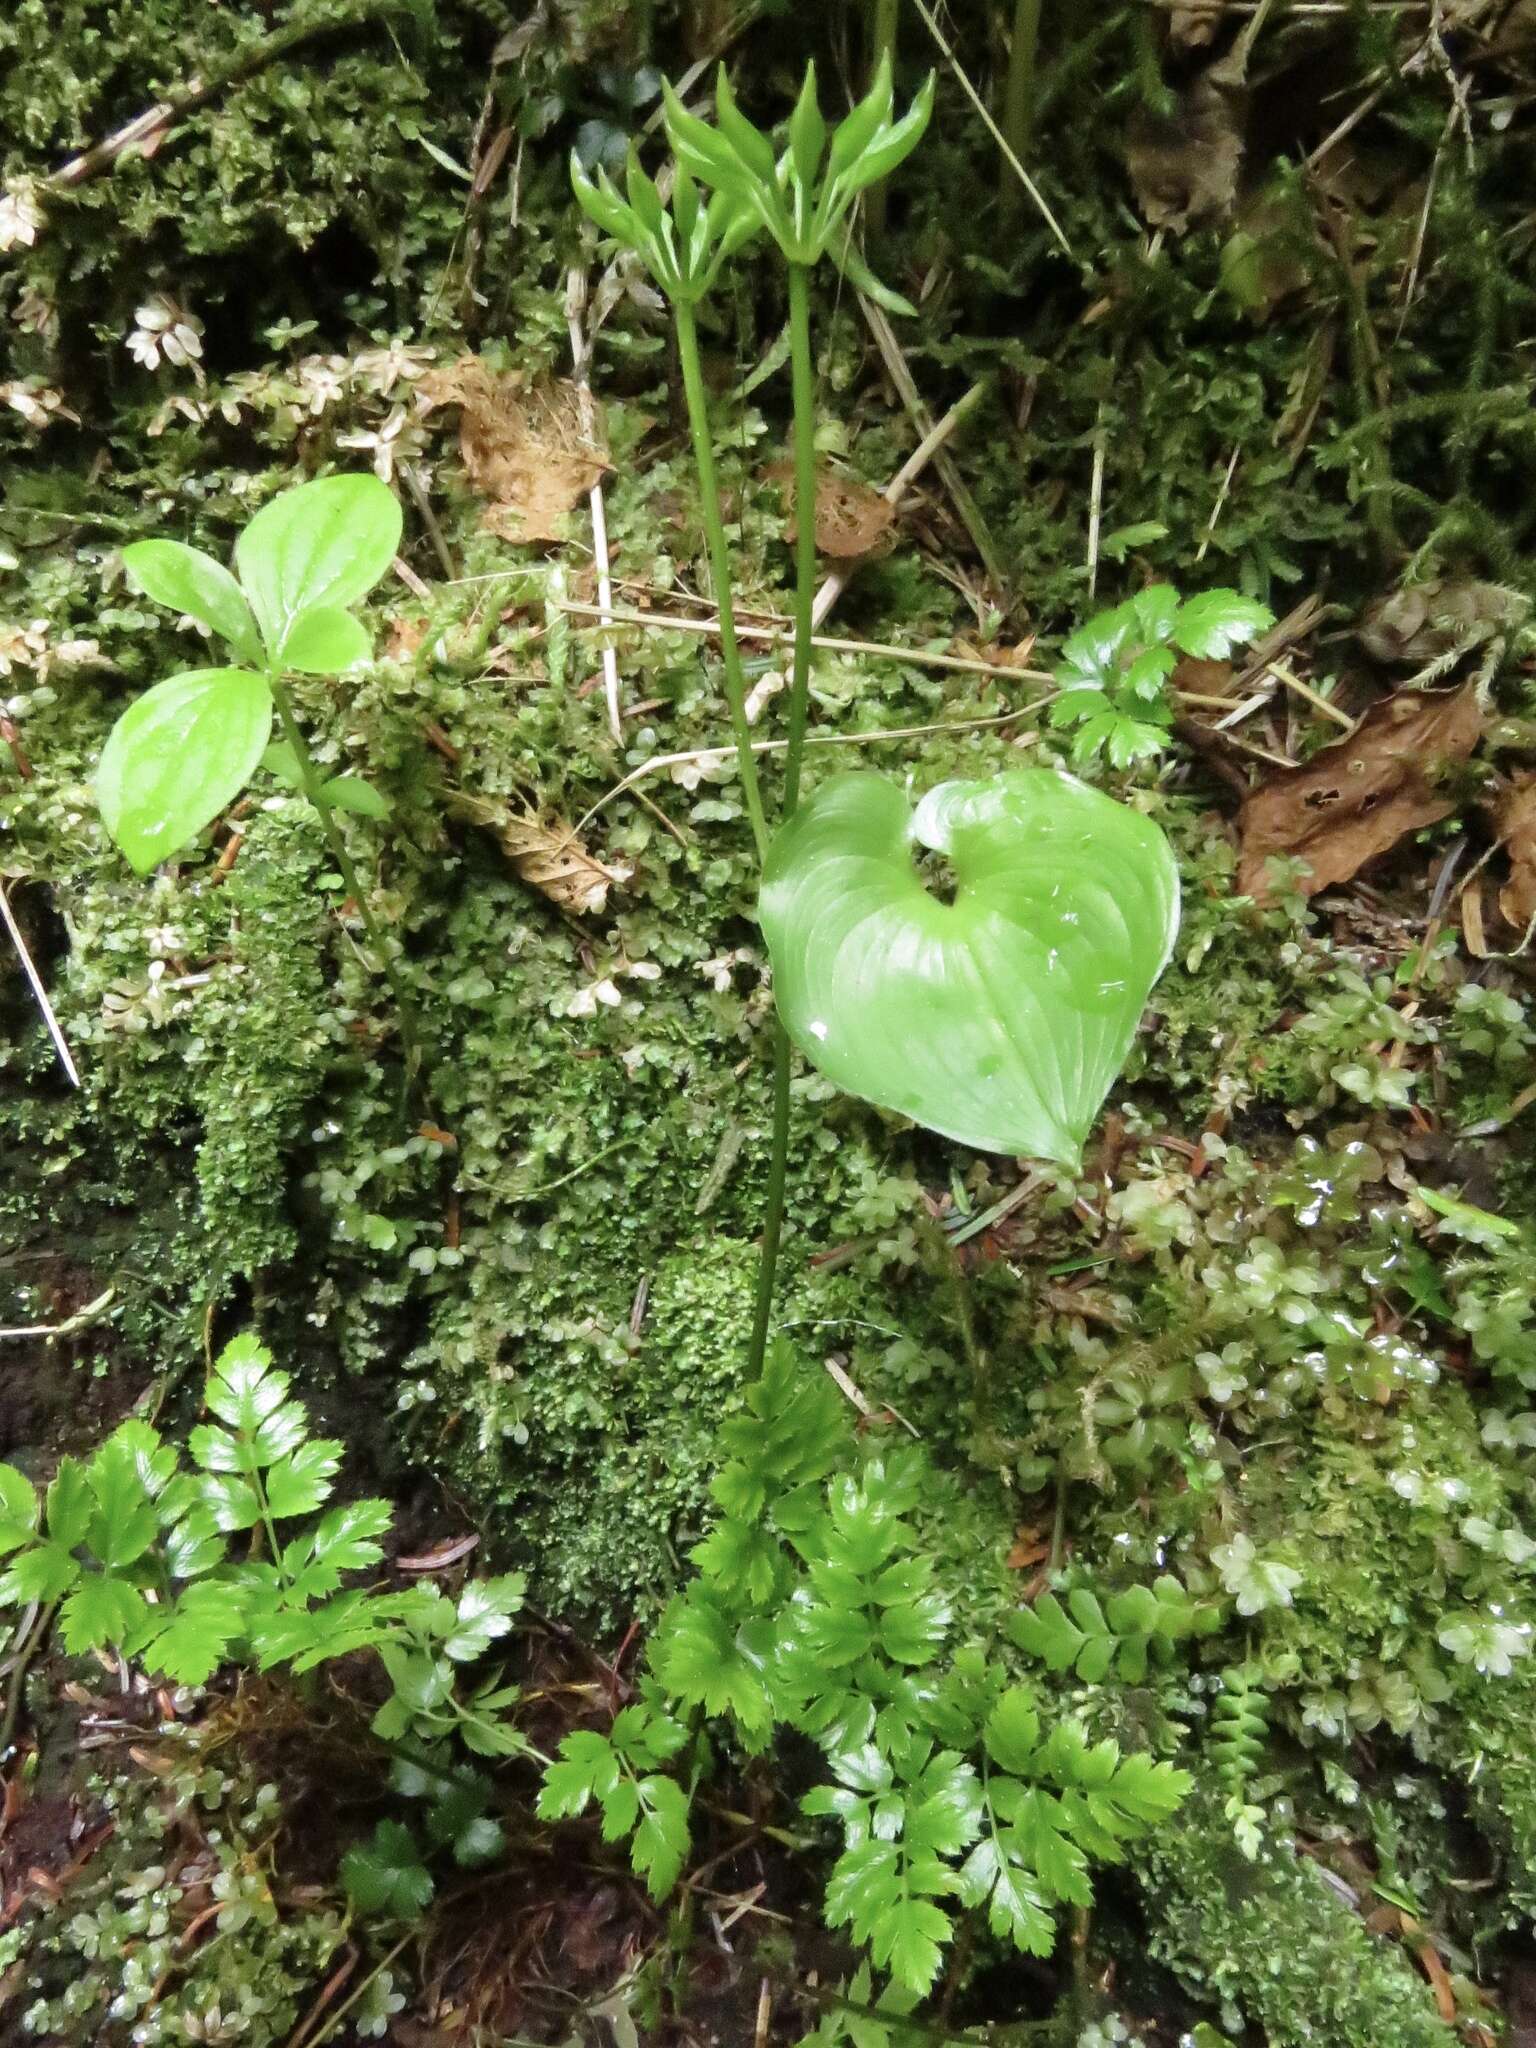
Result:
pixel 177 756
pixel 1001 1018
pixel 324 543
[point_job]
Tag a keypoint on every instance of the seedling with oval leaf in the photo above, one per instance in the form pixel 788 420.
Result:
pixel 185 750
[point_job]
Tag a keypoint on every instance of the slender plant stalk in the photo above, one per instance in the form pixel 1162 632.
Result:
pixel 314 789
pixel 720 567
pixel 883 19
pixel 773 1221
pixel 1019 93
pixel 804 386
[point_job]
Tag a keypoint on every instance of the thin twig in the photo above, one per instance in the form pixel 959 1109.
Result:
pixel 66 1058
pixel 146 132
pixel 814 739
pixel 933 440
pixel 1313 697
pixel 919 657
pixel 899 371
pixel 423 504
pixel 1368 105
pixel 82 1319
pixel 1096 505
pixel 581 361
pixel 1220 504
pixel 996 133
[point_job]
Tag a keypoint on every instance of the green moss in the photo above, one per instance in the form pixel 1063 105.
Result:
pixel 1275 1942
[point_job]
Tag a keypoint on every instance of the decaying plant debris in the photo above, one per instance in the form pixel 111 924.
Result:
pixel 528 452
pixel 1359 797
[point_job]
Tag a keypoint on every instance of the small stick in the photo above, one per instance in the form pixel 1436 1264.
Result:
pixel 12 739
pixel 662 622
pixel 581 359
pixel 900 374
pixel 423 506
pixel 814 739
pixel 896 489
pixel 1217 508
pixel 66 1059
pixel 1313 697
pixel 1096 506
pixel 996 133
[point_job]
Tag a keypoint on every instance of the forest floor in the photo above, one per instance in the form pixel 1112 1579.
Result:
pixel 1262 325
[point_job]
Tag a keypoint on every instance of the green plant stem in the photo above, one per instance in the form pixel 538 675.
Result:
pixel 773 1221
pixel 884 16
pixel 804 389
pixel 309 775
pixel 1019 92
pixel 720 567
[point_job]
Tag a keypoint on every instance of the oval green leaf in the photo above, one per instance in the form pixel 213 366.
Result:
pixel 178 756
pixel 999 1019
pixel 324 641
pixel 187 580
pixel 325 543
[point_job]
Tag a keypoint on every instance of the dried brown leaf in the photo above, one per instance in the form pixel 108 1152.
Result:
pixel 546 854
pixel 524 450
pixel 1425 621
pixel 1514 820
pixel 1184 168
pixel 1355 800
pixel 851 518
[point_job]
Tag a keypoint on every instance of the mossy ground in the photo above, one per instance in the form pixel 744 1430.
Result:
pixel 534 1287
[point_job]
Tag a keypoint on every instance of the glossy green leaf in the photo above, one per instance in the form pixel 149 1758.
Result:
pixel 324 543
pixel 999 1019
pixel 178 756
pixel 324 640
pixel 187 580
pixel 18 1509
pixel 1212 624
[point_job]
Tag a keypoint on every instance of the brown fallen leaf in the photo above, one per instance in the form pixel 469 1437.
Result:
pixel 524 450
pixel 1514 820
pixel 546 853
pixel 851 518
pixel 1184 167
pixel 1204 678
pixel 1355 800
pixel 1425 621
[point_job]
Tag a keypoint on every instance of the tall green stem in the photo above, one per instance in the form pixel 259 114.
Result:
pixel 773 1221
pixel 883 20
pixel 1019 92
pixel 314 789
pixel 804 388
pixel 720 567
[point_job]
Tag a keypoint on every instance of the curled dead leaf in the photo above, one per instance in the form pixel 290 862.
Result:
pixel 1428 620
pixel 851 518
pixel 1355 800
pixel 524 450
pixel 1514 820
pixel 1184 167
pixel 546 853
